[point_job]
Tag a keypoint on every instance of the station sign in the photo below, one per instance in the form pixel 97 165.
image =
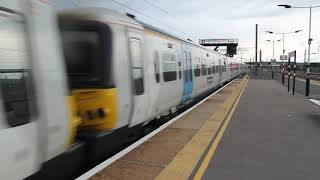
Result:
pixel 283 57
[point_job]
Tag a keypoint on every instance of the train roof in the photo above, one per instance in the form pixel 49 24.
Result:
pixel 99 14
pixel 153 28
pixel 156 29
pixel 105 14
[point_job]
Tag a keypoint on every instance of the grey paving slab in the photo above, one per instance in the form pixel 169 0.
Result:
pixel 300 85
pixel 272 135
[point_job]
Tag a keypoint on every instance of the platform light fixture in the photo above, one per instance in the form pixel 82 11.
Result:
pixel 272 63
pixel 283 50
pixel 309 39
pixel 273 41
pixel 284 5
pixel 284 33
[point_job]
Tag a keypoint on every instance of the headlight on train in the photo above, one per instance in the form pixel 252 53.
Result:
pixel 94 114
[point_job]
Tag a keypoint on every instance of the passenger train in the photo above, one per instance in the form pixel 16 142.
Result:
pixel 86 81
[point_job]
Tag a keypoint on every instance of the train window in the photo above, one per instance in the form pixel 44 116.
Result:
pixel 197 67
pixel 213 69
pixel 204 70
pixel 209 70
pixel 87 53
pixel 137 66
pixel 157 66
pixel 16 85
pixel 180 74
pixel 169 67
pixel 197 70
pixel 80 48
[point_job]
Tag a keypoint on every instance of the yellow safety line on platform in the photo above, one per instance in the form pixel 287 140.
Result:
pixel 185 161
pixel 213 148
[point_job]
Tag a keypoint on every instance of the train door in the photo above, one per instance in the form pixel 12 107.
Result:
pixel 140 101
pixel 220 71
pixel 19 133
pixel 187 74
pixel 230 69
pixel 225 66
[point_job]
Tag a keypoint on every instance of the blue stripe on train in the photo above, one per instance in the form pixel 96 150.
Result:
pixel 187 73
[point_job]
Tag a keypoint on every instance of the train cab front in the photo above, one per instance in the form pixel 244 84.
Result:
pixel 87 46
pixel 87 49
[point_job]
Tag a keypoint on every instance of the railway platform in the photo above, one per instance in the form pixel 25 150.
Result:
pixel 251 129
pixel 272 135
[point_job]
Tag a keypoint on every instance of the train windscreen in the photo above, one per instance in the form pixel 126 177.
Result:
pixel 87 53
pixel 80 47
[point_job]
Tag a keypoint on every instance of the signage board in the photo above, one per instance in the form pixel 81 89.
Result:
pixel 283 57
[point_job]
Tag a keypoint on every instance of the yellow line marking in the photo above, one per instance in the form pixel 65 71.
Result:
pixel 213 148
pixel 185 161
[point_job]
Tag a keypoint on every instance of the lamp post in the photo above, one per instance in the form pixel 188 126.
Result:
pixel 272 63
pixel 304 58
pixel 283 50
pixel 309 40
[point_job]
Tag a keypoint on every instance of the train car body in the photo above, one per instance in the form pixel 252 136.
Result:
pixel 147 73
pixel 79 88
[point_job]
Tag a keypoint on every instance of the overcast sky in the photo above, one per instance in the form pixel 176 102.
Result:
pixel 224 19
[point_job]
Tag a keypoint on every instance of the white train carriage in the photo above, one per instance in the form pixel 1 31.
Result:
pixel 114 76
pixel 143 73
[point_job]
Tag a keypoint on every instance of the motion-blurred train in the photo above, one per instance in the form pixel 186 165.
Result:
pixel 77 85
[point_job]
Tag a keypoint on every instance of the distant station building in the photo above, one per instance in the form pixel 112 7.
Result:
pixel 231 44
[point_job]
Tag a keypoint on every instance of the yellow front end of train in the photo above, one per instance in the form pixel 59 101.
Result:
pixel 97 108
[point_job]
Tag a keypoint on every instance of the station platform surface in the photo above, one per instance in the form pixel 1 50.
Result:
pixel 175 151
pixel 272 135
